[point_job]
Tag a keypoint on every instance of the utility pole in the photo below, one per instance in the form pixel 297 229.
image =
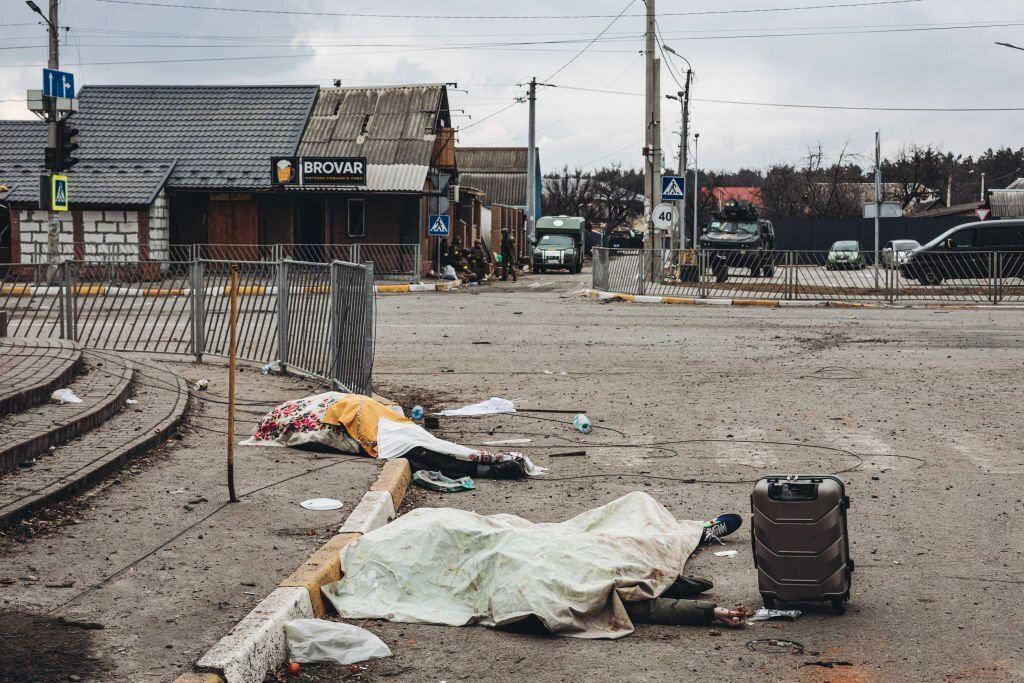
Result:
pixel 684 98
pixel 696 192
pixel 878 196
pixel 652 131
pixel 531 170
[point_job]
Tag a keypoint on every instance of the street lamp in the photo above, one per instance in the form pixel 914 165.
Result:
pixel 1010 45
pixel 35 8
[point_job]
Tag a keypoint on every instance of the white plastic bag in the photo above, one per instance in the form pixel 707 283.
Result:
pixel 449 273
pixel 492 406
pixel 319 640
pixel 63 396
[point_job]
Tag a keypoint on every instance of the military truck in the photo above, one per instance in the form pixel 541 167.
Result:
pixel 738 238
pixel 561 241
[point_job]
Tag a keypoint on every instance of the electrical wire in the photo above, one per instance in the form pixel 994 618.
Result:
pixel 472 17
pixel 591 43
pixel 491 116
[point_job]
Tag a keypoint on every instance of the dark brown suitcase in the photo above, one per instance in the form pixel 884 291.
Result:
pixel 801 545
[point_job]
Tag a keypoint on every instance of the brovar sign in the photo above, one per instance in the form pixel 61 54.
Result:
pixel 333 170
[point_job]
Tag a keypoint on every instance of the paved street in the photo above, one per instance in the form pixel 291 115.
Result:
pixel 916 408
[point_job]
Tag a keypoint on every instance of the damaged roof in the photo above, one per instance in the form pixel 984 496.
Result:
pixel 500 172
pixel 394 127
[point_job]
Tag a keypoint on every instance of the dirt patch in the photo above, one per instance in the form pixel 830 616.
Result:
pixel 41 648
pixel 407 397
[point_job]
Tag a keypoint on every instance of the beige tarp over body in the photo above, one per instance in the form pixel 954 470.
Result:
pixel 453 567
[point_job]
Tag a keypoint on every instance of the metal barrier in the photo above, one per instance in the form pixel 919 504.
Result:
pixel 316 318
pixel 984 277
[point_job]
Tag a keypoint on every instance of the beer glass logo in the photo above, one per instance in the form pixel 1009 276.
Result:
pixel 284 171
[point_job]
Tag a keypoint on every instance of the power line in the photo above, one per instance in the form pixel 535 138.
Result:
pixel 807 106
pixel 490 116
pixel 379 15
pixel 591 43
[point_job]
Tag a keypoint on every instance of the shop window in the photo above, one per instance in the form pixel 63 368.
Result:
pixel 356 218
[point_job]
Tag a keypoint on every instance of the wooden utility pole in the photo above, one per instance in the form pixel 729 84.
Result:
pixel 232 349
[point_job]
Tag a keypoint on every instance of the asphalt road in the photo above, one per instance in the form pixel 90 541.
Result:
pixel 924 403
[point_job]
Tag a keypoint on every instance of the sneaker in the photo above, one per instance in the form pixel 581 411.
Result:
pixel 719 527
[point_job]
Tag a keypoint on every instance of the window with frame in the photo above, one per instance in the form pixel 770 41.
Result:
pixel 356 218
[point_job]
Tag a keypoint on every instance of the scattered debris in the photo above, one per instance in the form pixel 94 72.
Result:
pixel 492 406
pixel 828 663
pixel 447 370
pixel 776 646
pixel 202 384
pixel 726 553
pixel 274 366
pixel 582 424
pixel 765 614
pixel 480 343
pixel 321 504
pixel 436 481
pixel 507 442
pixel 569 454
pixel 318 640
pixel 63 396
pixel 131 402
pixel 417 412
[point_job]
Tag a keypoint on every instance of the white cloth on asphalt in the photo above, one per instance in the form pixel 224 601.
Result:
pixel 395 439
pixel 454 567
pixel 319 640
pixel 492 406
pixel 63 396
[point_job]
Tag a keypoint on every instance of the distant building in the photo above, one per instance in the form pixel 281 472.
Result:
pixel 501 174
pixel 751 195
pixel 1008 203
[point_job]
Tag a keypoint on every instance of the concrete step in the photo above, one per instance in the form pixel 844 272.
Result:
pixel 161 407
pixel 32 369
pixel 102 386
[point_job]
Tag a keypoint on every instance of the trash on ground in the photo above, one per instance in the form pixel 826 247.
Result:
pixel 827 663
pixel 319 640
pixel 131 402
pixel 507 442
pixel 447 370
pixel 569 454
pixel 582 424
pixel 321 504
pixel 492 406
pixel 417 412
pixel 275 366
pixel 202 384
pixel 776 646
pixel 573 576
pixel 63 396
pixel 726 553
pixel 765 614
pixel 449 273
pixel 438 482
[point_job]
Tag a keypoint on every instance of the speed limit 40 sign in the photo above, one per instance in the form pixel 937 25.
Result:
pixel 665 216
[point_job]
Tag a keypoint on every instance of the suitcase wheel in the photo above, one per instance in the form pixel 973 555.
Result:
pixel 838 605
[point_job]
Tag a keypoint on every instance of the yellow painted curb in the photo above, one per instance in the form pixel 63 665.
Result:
pixel 678 300
pixel 90 290
pixel 318 289
pixel 247 290
pixel 199 678
pixel 156 291
pixel 393 289
pixel 15 290
pixel 322 567
pixel 850 304
pixel 759 303
pixel 394 478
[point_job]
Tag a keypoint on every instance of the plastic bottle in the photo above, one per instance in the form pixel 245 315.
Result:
pixel 417 413
pixel 582 424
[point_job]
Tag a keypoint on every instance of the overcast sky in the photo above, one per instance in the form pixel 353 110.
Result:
pixel 871 57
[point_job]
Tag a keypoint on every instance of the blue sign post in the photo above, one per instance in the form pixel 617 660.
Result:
pixel 58 83
pixel 439 225
pixel 673 187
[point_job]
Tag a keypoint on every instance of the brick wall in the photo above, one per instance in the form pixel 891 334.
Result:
pixel 33 236
pixel 95 235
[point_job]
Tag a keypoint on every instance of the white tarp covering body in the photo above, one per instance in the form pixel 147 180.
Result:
pixel 453 567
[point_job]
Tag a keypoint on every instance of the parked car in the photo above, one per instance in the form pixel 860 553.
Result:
pixel 845 254
pixel 966 252
pixel 895 253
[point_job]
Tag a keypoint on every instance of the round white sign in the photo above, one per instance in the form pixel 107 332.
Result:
pixel 665 216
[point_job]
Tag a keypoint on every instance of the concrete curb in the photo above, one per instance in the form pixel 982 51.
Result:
pixel 783 303
pixel 257 643
pixel 419 287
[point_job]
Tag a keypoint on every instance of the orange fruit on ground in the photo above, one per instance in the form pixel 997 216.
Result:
pixel 294 669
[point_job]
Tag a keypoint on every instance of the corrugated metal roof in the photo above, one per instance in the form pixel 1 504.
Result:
pixel 492 159
pixel 1017 184
pixel 1007 203
pixel 387 125
pixel 380 178
pixel 508 189
pixel 112 182
pixel 222 137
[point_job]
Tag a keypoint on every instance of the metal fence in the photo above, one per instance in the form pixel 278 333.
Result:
pixel 967 276
pixel 316 318
pixel 392 262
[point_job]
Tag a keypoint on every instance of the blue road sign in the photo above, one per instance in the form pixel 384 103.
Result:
pixel 58 83
pixel 673 187
pixel 439 225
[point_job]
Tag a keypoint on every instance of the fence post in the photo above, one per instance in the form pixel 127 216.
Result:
pixel 701 267
pixel 283 301
pixel 198 310
pixel 995 268
pixel 641 280
pixel 333 332
pixel 366 361
pixel 69 301
pixel 416 265
pixel 354 253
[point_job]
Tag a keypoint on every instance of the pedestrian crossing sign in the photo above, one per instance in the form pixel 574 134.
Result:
pixel 439 225
pixel 59 199
pixel 673 187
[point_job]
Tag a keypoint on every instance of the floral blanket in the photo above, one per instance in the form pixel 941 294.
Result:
pixel 300 422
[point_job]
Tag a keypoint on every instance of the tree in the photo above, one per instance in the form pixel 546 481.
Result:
pixel 818 188
pixel 919 173
pixel 570 194
pixel 620 195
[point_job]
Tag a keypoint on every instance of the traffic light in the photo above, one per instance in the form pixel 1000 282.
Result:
pixel 51 160
pixel 66 146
